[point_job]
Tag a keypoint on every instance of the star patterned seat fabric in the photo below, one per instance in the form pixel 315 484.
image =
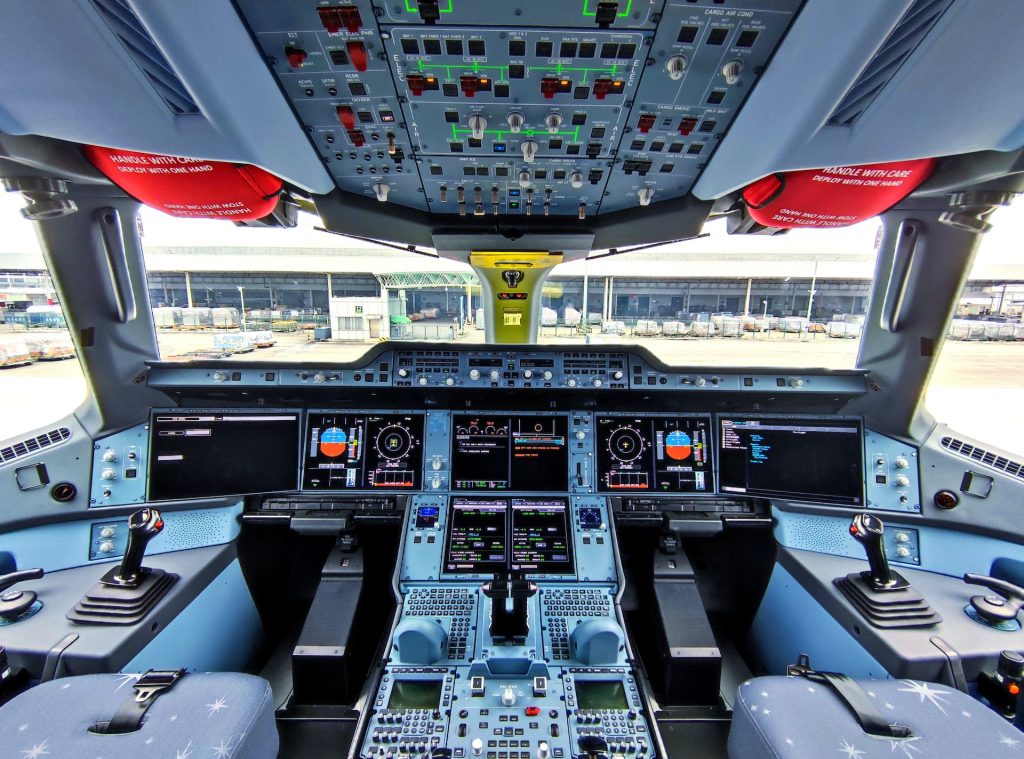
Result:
pixel 204 716
pixel 795 718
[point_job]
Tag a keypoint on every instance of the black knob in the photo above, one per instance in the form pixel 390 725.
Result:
pixel 992 608
pixel 143 526
pixel 1011 665
pixel 868 530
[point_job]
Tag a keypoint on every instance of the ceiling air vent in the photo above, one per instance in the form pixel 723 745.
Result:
pixel 33 444
pixel 968 451
pixel 140 46
pixel 901 42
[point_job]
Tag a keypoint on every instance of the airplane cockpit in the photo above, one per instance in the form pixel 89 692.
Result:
pixel 524 534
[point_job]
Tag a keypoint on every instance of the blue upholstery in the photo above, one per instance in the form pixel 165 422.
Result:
pixel 794 718
pixel 221 715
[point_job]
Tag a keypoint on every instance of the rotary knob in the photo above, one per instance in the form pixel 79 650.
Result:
pixel 902 551
pixel 529 148
pixel 581 435
pixel 220 376
pixel 508 697
pixel 477 125
pixel 449 381
pixel 515 122
pixel 403 372
pixel 548 375
pixel 731 71
pixel 700 382
pixel 576 180
pixel 553 121
pixel 436 464
pixel 381 190
pixel 796 382
pixel 108 474
pixel 106 547
pixel 901 463
pixel 597 382
pixel 902 481
pixel 320 377
pixel 527 373
pixel 474 374
pixel 107 532
pixel 524 179
pixel 676 67
pixel 616 375
pixel 109 456
pixel 435 483
pixel 644 195
pixel 495 375
pixel 571 382
pixel 423 380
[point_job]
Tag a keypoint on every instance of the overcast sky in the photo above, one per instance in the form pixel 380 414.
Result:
pixel 1002 244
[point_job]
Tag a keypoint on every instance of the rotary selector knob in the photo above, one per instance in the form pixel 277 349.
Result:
pixel 902 551
pixel 381 190
pixel 108 474
pixel 616 375
pixel 731 71
pixel 403 372
pixel 700 382
pixel 449 381
pixel 220 376
pixel 644 195
pixel 901 463
pixel 548 375
pixel 553 121
pixel 477 746
pixel 675 67
pixel 474 374
pixel 508 697
pixel 423 380
pixel 527 373
pixel 435 483
pixel 524 179
pixel 796 382
pixel 107 532
pixel 529 148
pixel 477 125
pixel 581 435
pixel 902 537
pixel 576 180
pixel 320 377
pixel 515 122
pixel 109 456
pixel 436 464
pixel 571 382
pixel 902 481
pixel 495 375
pixel 597 382
pixel 106 547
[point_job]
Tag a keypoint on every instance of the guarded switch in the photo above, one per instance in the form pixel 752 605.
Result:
pixel 357 54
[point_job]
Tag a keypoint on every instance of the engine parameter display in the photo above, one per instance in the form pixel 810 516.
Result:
pixel 502 452
pixel 205 454
pixel 667 454
pixel 363 452
pixel 818 460
pixel 488 535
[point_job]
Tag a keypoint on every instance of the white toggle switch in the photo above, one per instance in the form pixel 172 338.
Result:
pixel 529 148
pixel 508 697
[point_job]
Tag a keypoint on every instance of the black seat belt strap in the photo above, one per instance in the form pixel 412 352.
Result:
pixel 149 687
pixel 857 701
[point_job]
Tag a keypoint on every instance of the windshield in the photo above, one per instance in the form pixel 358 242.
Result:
pixel 794 300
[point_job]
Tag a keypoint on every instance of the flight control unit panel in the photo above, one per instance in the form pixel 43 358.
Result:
pixel 570 108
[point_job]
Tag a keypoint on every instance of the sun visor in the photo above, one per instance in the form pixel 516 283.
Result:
pixel 190 187
pixel 833 197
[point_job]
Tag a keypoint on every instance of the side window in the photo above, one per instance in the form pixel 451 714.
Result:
pixel 40 378
pixel 977 386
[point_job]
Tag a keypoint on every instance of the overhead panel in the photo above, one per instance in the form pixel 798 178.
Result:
pixel 566 109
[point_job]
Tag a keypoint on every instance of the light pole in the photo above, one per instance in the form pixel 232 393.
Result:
pixel 764 301
pixel 241 293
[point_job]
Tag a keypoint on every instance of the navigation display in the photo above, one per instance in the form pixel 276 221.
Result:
pixel 819 460
pixel 206 454
pixel 502 452
pixel 477 540
pixel 479 529
pixel 363 452
pixel 665 454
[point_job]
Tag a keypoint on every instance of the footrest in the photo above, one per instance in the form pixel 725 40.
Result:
pixel 901 607
pixel 107 604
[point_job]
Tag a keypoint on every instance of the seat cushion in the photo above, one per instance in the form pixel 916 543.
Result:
pixel 222 715
pixel 794 718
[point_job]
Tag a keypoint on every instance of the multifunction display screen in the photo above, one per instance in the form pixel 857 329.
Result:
pixel 665 454
pixel 819 460
pixel 488 535
pixel 502 452
pixel 363 452
pixel 206 454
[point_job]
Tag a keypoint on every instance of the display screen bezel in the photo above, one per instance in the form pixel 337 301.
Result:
pixel 711 469
pixel 559 486
pixel 363 487
pixel 436 687
pixel 818 499
pixel 152 454
pixel 563 569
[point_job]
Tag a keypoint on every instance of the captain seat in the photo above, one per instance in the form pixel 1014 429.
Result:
pixel 800 717
pixel 158 714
